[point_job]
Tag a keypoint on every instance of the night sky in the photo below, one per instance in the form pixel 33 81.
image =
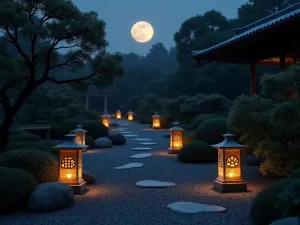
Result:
pixel 166 17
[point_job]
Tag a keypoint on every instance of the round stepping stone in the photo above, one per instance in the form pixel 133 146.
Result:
pixel 129 166
pixel 125 132
pixel 141 156
pixel 141 149
pixel 130 135
pixel 192 207
pixel 142 139
pixel 148 143
pixel 154 184
pixel 124 124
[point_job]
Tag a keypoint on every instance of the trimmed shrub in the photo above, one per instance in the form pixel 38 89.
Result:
pixel 281 199
pixel 16 186
pixel 80 117
pixel 25 138
pixel 197 151
pixel 91 114
pixel 90 142
pixel 187 127
pixel 196 121
pixel 29 145
pixel 211 131
pixel 17 131
pixel 42 165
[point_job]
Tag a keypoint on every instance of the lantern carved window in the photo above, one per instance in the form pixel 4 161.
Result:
pixel 68 163
pixel 232 161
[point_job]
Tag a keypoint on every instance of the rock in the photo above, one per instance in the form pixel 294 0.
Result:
pixel 141 156
pixel 147 143
pixel 154 184
pixel 88 177
pixel 103 142
pixel 192 207
pixel 142 139
pixel 287 221
pixel 141 149
pixel 129 166
pixel 130 135
pixel 166 135
pixel 252 160
pixel 113 124
pixel 125 132
pixel 117 139
pixel 51 196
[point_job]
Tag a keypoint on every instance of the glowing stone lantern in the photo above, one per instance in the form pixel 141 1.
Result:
pixel 80 135
pixel 229 165
pixel 130 115
pixel 176 136
pixel 156 121
pixel 118 115
pixel 106 119
pixel 70 163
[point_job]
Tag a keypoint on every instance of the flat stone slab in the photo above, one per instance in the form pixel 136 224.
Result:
pixel 154 184
pixel 124 124
pixel 192 207
pixel 141 149
pixel 147 143
pixel 125 132
pixel 130 135
pixel 142 139
pixel 129 166
pixel 141 156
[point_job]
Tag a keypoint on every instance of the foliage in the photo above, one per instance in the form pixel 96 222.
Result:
pixel 279 200
pixel 197 151
pixel 15 188
pixel 90 142
pixel 270 123
pixel 211 131
pixel 201 118
pixel 91 114
pixel 41 164
pixel 29 145
pixel 25 138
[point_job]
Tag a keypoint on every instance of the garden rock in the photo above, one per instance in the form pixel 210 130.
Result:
pixel 117 139
pixel 103 142
pixel 88 177
pixel 51 196
pixel 287 221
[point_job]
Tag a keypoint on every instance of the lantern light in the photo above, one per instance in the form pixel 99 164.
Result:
pixel 70 164
pixel 130 115
pixel 106 119
pixel 80 135
pixel 229 166
pixel 176 136
pixel 119 115
pixel 156 121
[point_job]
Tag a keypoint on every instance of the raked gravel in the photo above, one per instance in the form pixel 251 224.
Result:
pixel 115 200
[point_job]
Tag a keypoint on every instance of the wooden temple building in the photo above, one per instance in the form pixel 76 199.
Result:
pixel 93 91
pixel 273 40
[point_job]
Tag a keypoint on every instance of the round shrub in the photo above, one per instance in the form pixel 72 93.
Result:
pixel 166 122
pixel 29 145
pixel 15 188
pixel 17 131
pixel 196 121
pixel 91 114
pixel 90 142
pixel 80 117
pixel 25 138
pixel 197 151
pixel 211 131
pixel 43 165
pixel 279 200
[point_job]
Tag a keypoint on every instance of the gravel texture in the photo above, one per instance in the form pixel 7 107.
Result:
pixel 115 200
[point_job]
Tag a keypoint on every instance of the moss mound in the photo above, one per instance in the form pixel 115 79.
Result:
pixel 196 121
pixel 25 137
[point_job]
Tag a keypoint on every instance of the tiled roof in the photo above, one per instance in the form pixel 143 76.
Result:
pixel 272 20
pixel 94 90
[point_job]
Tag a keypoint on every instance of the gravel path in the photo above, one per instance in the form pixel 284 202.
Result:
pixel 115 200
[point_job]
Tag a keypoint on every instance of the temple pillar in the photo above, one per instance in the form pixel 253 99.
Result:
pixel 253 79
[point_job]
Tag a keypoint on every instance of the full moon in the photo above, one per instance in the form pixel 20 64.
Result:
pixel 142 31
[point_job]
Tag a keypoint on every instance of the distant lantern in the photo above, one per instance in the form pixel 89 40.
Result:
pixel 106 119
pixel 130 115
pixel 118 114
pixel 156 121
pixel 80 135
pixel 229 165
pixel 176 136
pixel 70 163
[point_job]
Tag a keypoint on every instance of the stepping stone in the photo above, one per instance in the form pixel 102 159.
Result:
pixel 147 143
pixel 142 139
pixel 141 155
pixel 129 166
pixel 124 124
pixel 141 149
pixel 130 135
pixel 192 207
pixel 125 132
pixel 154 184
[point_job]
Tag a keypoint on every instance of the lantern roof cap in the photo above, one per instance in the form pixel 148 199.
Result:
pixel 229 142
pixel 156 115
pixel 176 126
pixel 70 144
pixel 79 129
pixel 105 114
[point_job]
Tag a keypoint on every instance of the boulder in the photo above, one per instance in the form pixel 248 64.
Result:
pixel 117 139
pixel 103 142
pixel 252 160
pixel 287 221
pixel 50 196
pixel 88 177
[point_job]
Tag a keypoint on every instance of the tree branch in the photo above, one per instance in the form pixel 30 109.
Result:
pixel 74 80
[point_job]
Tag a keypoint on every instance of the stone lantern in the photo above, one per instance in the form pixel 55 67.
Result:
pixel 156 121
pixel 230 177
pixel 130 115
pixel 106 119
pixel 80 135
pixel 70 163
pixel 119 115
pixel 176 136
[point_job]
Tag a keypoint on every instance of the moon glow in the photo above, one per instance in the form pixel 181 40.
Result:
pixel 142 31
